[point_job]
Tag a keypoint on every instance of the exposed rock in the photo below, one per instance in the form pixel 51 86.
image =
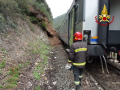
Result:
pixel 54 83
pixel 29 84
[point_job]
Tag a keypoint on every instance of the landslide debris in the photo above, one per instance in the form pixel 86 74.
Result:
pixel 50 32
pixel 26 34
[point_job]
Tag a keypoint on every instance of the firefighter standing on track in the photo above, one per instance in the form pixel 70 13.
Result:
pixel 77 57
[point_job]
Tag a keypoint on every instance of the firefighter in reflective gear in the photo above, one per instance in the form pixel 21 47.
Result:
pixel 77 57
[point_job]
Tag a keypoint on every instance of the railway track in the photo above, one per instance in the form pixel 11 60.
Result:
pixel 98 81
pixel 115 68
pixel 109 81
pixel 114 65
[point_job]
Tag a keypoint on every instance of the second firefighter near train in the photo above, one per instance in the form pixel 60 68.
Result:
pixel 104 17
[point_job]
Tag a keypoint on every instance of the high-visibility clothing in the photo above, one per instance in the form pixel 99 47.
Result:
pixel 80 76
pixel 77 54
pixel 78 72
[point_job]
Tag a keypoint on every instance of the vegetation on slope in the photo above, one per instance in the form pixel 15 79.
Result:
pixel 43 6
pixel 20 48
pixel 58 21
pixel 10 10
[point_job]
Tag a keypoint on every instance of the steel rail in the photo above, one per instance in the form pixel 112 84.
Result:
pixel 100 83
pixel 118 68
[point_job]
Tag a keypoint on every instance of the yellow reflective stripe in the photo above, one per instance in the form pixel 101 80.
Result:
pixel 76 82
pixel 81 49
pixel 69 61
pixel 79 64
pixel 80 76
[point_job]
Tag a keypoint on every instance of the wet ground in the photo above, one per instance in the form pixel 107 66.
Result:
pixel 58 78
pixel 111 80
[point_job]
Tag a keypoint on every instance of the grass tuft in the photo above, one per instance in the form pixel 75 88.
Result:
pixel 0 71
pixel 36 75
pixel 1 86
pixel 37 88
pixel 10 86
pixel 2 64
pixel 13 80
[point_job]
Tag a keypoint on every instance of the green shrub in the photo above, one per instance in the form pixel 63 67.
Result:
pixel 20 66
pixel 2 64
pixel 10 10
pixel 43 7
pixel 34 20
pixel 23 6
pixel 10 86
pixel 0 71
pixel 12 79
pixel 29 23
pixel 43 25
pixel 1 86
pixel 36 75
pixel 2 49
pixel 2 19
pixel 37 88
pixel 4 52
pixel 13 71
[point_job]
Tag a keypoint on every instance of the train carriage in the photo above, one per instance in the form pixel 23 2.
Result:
pixel 85 16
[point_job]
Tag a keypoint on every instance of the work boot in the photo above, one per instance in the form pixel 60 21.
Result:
pixel 80 81
pixel 78 87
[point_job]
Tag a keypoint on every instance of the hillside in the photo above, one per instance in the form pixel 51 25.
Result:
pixel 58 21
pixel 26 39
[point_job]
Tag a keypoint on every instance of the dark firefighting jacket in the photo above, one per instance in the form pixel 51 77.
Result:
pixel 77 54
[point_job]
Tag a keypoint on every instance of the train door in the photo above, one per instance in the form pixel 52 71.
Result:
pixel 71 26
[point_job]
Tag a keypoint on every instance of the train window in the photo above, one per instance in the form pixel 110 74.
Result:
pixel 76 14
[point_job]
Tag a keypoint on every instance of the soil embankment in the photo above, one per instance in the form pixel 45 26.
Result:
pixel 22 51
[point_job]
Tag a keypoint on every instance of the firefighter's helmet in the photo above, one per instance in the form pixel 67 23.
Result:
pixel 78 36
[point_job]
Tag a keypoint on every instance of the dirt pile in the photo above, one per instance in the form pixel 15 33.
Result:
pixel 50 32
pixel 54 39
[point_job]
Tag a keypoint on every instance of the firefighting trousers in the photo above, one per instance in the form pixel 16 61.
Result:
pixel 77 75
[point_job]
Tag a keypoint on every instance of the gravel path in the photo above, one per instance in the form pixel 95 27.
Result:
pixel 58 78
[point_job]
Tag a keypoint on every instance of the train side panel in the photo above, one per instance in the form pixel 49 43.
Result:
pixel 91 11
pixel 114 27
pixel 63 32
pixel 79 16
